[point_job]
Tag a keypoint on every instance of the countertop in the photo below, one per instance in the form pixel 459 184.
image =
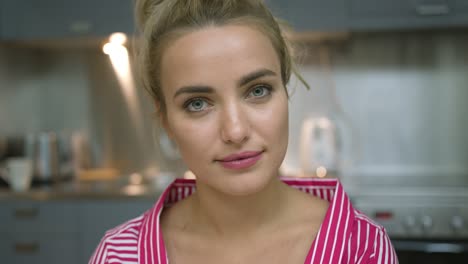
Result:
pixel 84 191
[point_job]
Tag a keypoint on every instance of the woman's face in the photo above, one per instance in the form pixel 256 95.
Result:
pixel 227 109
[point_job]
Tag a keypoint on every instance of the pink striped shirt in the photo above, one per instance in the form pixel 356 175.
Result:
pixel 345 235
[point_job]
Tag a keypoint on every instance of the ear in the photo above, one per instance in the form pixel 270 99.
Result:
pixel 163 119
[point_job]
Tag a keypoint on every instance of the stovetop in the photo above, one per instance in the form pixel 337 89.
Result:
pixel 419 207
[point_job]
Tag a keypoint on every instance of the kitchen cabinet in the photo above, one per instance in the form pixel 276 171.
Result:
pixel 34 216
pixel 312 15
pixel 407 14
pixel 61 231
pixel 39 232
pixel 39 247
pixel 49 19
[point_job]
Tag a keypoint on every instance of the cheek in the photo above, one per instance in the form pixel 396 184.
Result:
pixel 274 122
pixel 192 137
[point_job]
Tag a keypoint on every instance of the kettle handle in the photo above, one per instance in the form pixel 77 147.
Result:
pixel 4 173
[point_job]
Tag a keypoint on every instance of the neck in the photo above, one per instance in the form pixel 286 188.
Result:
pixel 226 215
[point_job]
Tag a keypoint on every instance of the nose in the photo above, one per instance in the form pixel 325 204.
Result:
pixel 235 127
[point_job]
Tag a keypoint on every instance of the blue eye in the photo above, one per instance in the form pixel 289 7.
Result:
pixel 260 91
pixel 196 105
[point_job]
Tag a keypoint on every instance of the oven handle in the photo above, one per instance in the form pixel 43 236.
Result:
pixel 431 246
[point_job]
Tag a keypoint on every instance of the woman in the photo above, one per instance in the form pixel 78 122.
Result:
pixel 217 71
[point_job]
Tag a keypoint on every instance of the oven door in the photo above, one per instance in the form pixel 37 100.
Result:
pixel 431 251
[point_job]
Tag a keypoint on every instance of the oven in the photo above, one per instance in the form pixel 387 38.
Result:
pixel 431 251
pixel 427 222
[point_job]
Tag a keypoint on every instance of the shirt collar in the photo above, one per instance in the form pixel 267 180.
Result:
pixel 151 248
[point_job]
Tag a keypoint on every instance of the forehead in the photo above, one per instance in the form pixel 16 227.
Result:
pixel 216 54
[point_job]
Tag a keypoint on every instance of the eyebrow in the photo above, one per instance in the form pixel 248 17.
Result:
pixel 255 75
pixel 194 89
pixel 241 82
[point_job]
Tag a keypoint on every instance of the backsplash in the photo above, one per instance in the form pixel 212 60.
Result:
pixel 404 93
pixel 42 91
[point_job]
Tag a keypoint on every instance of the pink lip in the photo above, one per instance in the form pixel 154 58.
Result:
pixel 241 160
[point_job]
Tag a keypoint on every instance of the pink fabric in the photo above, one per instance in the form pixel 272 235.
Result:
pixel 345 236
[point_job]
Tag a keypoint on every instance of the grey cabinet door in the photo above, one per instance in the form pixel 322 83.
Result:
pixel 1 19
pixel 35 216
pixel 97 217
pixel 46 19
pixel 460 12
pixel 50 248
pixel 312 15
pixel 407 14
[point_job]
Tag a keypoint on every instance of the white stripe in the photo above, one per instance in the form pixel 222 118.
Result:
pixel 348 211
pixel 134 231
pixel 126 235
pixel 387 249
pixel 149 252
pixel 131 235
pixel 349 247
pixel 120 262
pixel 122 248
pixel 328 229
pixel 160 201
pixel 361 216
pixel 338 224
pixel 104 256
pixel 122 241
pixel 102 253
pixel 367 236
pixel 325 195
pixel 121 255
pixel 365 245
pixel 379 260
pixel 179 194
pixel 140 240
pixel 358 241
pixel 128 224
pixel 375 245
pixel 157 235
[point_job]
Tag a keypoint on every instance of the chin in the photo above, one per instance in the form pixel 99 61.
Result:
pixel 246 184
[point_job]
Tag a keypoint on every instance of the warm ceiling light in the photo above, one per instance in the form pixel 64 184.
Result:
pixel 321 172
pixel 118 38
pixel 107 48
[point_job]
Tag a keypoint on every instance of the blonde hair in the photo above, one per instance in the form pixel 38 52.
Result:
pixel 162 21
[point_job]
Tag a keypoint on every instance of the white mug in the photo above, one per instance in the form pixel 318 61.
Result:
pixel 19 173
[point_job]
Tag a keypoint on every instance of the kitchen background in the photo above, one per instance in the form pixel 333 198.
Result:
pixel 395 82
pixel 402 93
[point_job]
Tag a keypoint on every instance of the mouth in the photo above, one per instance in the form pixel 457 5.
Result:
pixel 241 160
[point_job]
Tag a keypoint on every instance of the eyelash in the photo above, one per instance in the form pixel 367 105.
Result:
pixel 268 88
pixel 188 102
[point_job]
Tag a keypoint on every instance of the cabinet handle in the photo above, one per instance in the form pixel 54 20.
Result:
pixel 81 27
pixel 433 10
pixel 26 213
pixel 27 248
